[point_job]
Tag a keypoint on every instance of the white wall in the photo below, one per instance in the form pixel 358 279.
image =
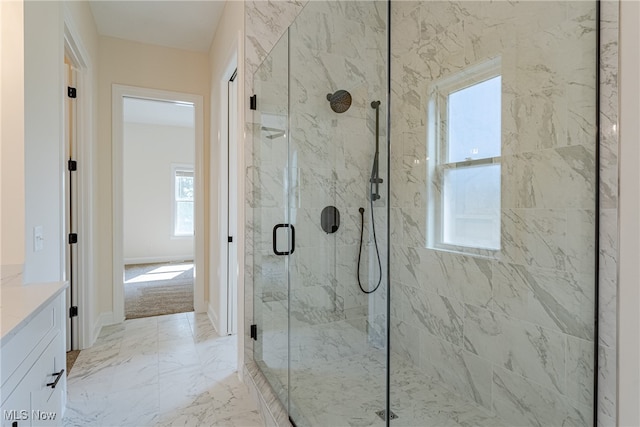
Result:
pixel 149 153
pixel 43 110
pixel 227 42
pixel 148 66
pixel 12 240
pixel 629 288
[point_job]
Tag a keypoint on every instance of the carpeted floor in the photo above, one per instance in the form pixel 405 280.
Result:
pixel 158 289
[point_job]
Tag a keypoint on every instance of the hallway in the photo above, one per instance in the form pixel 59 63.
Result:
pixel 161 371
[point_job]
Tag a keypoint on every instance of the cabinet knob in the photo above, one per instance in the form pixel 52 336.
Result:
pixel 58 375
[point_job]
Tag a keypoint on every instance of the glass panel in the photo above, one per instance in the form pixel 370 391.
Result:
pixel 504 337
pixel 471 207
pixel 184 218
pixel 474 121
pixel 337 332
pixel 184 186
pixel 268 208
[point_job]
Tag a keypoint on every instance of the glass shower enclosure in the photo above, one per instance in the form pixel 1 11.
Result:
pixel 424 213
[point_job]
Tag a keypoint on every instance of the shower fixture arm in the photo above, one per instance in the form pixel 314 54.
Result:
pixel 375 171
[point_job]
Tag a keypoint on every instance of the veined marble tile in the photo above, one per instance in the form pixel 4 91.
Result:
pixel 607 381
pixel 405 340
pixel 521 402
pixel 408 182
pixel 456 369
pixel 534 177
pixel 580 370
pixel 607 326
pixel 439 315
pixel 581 240
pixel 535 237
pixel 463 277
pixel 176 383
pixel 266 22
pixel 414 227
pixel 609 242
pixel 553 299
pixel 528 350
pixel 312 266
pixel 246 419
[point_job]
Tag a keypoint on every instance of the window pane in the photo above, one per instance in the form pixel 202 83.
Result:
pixel 471 207
pixel 184 187
pixel 184 218
pixel 474 121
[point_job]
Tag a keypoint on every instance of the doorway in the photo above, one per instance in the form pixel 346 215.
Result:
pixel 177 211
pixel 71 203
pixel 224 292
pixel 158 206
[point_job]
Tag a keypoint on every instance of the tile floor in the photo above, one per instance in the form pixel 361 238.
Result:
pixel 333 376
pixel 169 370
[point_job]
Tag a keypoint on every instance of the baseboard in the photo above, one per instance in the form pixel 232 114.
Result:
pixel 213 318
pixel 104 319
pixel 155 260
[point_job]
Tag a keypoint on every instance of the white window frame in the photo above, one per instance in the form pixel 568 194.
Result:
pixel 437 150
pixel 174 201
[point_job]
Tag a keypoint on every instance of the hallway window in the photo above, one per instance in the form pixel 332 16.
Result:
pixel 183 192
pixel 466 143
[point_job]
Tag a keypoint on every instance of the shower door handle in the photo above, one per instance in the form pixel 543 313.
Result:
pixel 293 239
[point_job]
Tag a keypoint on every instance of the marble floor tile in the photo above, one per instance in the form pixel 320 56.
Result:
pixel 349 392
pixel 169 370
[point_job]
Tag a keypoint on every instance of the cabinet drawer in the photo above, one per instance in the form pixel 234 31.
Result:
pixel 17 350
pixel 35 402
pixel 16 411
pixel 49 383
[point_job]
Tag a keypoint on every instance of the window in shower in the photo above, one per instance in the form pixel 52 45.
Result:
pixel 466 136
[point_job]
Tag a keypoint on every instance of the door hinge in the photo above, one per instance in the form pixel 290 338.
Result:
pixel 230 239
pixel 71 92
pixel 254 332
pixel 72 165
pixel 73 238
pixel 253 102
pixel 73 311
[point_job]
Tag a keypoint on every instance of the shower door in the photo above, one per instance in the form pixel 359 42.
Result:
pixel 320 150
pixel 337 334
pixel 269 208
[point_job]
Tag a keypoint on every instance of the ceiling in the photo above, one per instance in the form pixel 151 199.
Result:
pixel 136 110
pixel 188 25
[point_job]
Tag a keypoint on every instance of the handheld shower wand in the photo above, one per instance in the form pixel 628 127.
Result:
pixel 375 179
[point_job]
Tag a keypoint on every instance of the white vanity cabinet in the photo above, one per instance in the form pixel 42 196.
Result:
pixel 33 364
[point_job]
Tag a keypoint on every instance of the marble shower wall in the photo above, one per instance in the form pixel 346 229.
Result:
pixel 512 332
pixel 333 46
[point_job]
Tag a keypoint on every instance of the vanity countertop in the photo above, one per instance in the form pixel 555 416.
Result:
pixel 19 303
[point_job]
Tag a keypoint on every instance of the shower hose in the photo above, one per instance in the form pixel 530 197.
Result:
pixel 375 241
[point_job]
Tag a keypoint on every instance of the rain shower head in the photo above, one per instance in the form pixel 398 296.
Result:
pixel 340 101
